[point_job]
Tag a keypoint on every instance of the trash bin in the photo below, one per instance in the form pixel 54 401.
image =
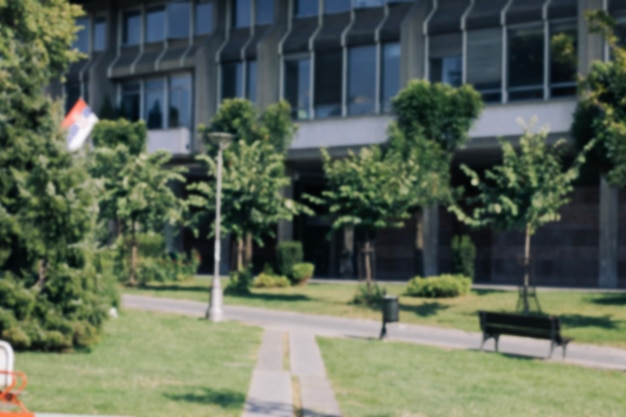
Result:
pixel 390 312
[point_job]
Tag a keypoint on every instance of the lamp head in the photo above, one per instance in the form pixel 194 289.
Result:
pixel 221 139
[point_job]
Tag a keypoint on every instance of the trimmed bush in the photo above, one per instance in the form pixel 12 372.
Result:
pixel 442 286
pixel 271 281
pixel 150 245
pixel 363 298
pixel 463 256
pixel 301 272
pixel 287 255
pixel 239 283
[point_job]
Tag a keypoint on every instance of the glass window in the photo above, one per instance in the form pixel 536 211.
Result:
pixel 336 6
pixel 391 73
pixel 264 12
pixel 362 80
pixel 232 80
pixel 242 12
pixel 447 70
pixel 82 35
pixel 368 3
pixel 563 59
pixel 204 17
pixel 526 62
pixel 155 25
pixel 129 106
pixel 100 34
pixel 72 94
pixel 304 8
pixel 251 72
pixel 328 85
pixel 180 101
pixel 132 28
pixel 178 19
pixel 154 104
pixel 484 62
pixel 298 86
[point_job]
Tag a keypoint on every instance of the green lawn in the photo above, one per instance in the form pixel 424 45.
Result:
pixel 373 379
pixel 588 317
pixel 148 365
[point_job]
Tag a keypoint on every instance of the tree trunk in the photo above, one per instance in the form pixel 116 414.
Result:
pixel 526 271
pixel 41 273
pixel 248 254
pixel 368 266
pixel 132 280
pixel 240 250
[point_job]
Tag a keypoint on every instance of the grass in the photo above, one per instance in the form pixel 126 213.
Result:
pixel 373 379
pixel 148 365
pixel 588 317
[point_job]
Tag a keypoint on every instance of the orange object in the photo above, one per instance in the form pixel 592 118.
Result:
pixel 9 396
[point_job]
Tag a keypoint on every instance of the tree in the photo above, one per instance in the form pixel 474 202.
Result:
pixel 50 294
pixel 432 122
pixel 254 172
pixel 138 190
pixel 524 192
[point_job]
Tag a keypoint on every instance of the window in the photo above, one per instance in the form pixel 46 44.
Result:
pixel 155 24
pixel 132 28
pixel 368 3
pixel 484 62
pixel 563 59
pixel 362 80
pixel 180 101
pixel 82 35
pixel 305 8
pixel 264 12
pixel 178 19
pixel 251 73
pixel 130 101
pixel 448 70
pixel 204 17
pixel 242 13
pixel 232 80
pixel 72 94
pixel 154 104
pixel 526 60
pixel 336 6
pixel 298 87
pixel 100 34
pixel 391 74
pixel 328 85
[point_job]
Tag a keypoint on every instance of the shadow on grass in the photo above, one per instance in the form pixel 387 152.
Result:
pixel 490 292
pixel 578 320
pixel 224 398
pixel 179 288
pixel 425 309
pixel 610 300
pixel 489 348
pixel 273 297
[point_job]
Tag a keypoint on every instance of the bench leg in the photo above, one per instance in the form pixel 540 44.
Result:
pixel 551 349
pixel 564 350
pixel 497 340
pixel 485 338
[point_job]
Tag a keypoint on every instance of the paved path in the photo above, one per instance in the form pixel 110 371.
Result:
pixel 586 355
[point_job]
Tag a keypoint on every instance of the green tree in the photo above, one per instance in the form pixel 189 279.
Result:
pixel 253 176
pixel 50 294
pixel 524 192
pixel 138 192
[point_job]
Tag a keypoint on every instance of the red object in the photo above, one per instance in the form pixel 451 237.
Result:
pixel 74 114
pixel 10 393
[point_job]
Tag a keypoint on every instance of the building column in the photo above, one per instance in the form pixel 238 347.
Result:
pixel 430 241
pixel 609 227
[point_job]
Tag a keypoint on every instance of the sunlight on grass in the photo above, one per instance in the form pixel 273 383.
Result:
pixel 149 365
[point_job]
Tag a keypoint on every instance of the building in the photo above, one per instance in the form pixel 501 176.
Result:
pixel 338 62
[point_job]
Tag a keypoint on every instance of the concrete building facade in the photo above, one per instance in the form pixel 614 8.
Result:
pixel 339 63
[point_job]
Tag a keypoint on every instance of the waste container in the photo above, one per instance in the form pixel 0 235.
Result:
pixel 390 312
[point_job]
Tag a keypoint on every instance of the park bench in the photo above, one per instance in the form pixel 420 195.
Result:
pixel 539 327
pixel 12 384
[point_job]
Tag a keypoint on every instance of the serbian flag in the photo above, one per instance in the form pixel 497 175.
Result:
pixel 79 122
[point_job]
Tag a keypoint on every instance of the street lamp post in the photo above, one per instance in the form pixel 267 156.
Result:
pixel 215 312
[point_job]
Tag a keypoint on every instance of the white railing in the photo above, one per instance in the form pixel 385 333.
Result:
pixel 177 141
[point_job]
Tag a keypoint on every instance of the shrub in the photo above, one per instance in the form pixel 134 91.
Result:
pixel 288 254
pixel 267 269
pixel 150 245
pixel 301 272
pixel 239 283
pixel 463 256
pixel 271 281
pixel 364 298
pixel 442 286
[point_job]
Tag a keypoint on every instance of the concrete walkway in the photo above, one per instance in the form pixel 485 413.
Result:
pixel 578 354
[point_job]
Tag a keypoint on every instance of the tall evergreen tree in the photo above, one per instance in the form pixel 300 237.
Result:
pixel 50 294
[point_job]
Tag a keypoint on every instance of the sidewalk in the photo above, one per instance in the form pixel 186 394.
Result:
pixel 577 354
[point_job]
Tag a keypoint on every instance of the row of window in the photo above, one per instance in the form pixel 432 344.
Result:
pixel 91 34
pixel 306 8
pixel 532 67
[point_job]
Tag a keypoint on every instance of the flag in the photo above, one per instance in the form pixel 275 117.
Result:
pixel 79 122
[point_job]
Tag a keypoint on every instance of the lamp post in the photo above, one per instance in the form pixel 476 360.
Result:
pixel 215 311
